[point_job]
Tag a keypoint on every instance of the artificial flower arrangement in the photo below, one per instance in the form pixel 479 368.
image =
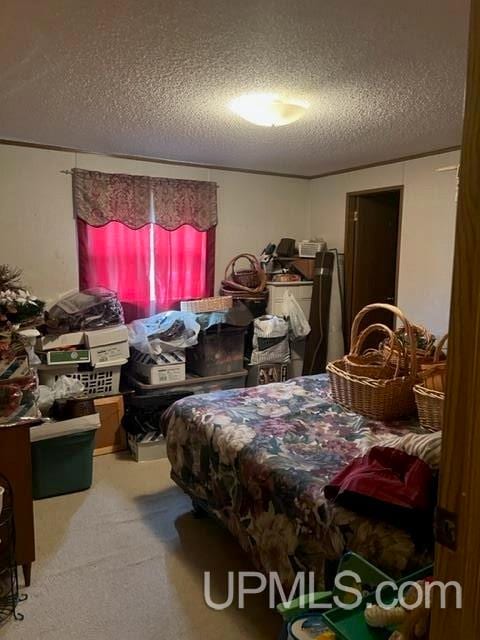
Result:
pixel 17 305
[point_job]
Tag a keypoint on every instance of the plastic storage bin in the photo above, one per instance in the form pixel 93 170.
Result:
pixel 193 384
pixel 220 350
pixel 62 461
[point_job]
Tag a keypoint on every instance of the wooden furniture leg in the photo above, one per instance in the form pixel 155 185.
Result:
pixel 27 573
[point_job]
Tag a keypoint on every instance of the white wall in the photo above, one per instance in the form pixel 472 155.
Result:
pixel 37 230
pixel 427 234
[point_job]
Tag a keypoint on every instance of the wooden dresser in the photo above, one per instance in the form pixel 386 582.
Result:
pixel 16 466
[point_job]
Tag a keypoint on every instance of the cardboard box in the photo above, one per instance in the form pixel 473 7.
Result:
pixel 109 335
pixel 149 447
pixel 111 435
pixel 74 356
pixel 159 373
pixel 109 353
pixel 170 368
pixel 63 341
pixel 267 373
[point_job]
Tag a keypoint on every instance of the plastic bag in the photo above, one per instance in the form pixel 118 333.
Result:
pixel 66 387
pixel 270 340
pixel 299 324
pixel 45 399
pixel 84 310
pixel 164 332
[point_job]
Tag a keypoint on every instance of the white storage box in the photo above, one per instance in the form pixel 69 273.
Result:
pixel 109 335
pixel 301 291
pixel 109 353
pixel 65 357
pixel 98 381
pixel 151 446
pixel 169 368
pixel 62 341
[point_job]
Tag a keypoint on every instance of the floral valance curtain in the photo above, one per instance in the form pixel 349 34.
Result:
pixel 135 201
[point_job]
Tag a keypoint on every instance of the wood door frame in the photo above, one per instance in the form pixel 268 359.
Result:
pixel 458 517
pixel 349 240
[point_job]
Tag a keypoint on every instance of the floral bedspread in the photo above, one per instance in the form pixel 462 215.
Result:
pixel 260 458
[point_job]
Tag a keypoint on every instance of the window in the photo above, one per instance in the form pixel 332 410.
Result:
pixel 152 240
pixel 150 268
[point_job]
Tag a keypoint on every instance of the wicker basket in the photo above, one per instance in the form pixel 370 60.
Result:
pixel 434 375
pixel 430 407
pixel 252 280
pixel 423 356
pixel 371 363
pixel 218 303
pixel 380 399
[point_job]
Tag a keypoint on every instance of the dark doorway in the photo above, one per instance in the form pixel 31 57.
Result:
pixel 372 233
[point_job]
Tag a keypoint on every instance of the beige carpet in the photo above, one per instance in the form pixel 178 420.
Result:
pixel 125 560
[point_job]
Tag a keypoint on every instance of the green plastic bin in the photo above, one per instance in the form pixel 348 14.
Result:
pixel 63 464
pixel 351 625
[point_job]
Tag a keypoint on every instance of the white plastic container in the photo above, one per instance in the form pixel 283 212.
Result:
pixel 98 381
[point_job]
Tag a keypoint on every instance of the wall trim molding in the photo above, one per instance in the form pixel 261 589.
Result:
pixel 178 163
pixel 121 156
pixel 371 165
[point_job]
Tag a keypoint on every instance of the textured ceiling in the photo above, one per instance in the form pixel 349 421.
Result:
pixel 385 78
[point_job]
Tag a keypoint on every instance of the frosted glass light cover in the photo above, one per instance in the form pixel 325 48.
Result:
pixel 268 109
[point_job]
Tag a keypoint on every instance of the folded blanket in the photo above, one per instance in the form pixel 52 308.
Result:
pixel 390 484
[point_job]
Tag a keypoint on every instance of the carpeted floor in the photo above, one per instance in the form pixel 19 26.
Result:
pixel 125 560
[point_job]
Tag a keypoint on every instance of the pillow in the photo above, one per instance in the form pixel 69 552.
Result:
pixel 426 446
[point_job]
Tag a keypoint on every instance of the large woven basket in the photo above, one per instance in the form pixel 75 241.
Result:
pixel 372 363
pixel 379 399
pixel 430 407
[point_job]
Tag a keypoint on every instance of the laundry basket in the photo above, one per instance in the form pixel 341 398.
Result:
pixel 97 381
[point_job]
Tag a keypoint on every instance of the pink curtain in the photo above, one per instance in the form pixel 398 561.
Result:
pixel 150 268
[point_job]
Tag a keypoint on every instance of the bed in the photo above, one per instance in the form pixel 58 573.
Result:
pixel 258 459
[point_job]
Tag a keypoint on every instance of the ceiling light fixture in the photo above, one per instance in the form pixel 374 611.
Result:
pixel 268 109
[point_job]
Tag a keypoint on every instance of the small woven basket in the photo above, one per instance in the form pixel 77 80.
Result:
pixel 430 394
pixel 379 399
pixel 430 407
pixel 371 363
pixel 434 375
pixel 204 305
pixel 401 351
pixel 252 280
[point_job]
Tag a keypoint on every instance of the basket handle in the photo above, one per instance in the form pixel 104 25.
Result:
pixel 439 348
pixel 255 264
pixel 355 349
pixel 247 256
pixel 401 316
